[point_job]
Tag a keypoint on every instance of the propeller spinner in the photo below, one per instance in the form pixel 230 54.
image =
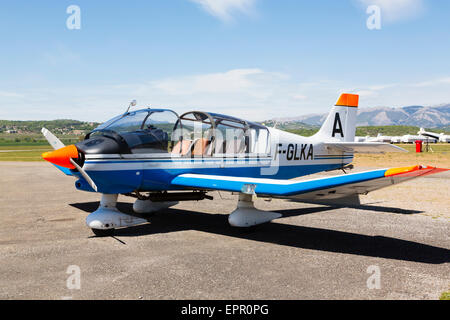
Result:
pixel 64 156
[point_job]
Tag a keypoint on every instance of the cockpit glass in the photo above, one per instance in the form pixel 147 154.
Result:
pixel 108 123
pixel 131 122
pixel 145 131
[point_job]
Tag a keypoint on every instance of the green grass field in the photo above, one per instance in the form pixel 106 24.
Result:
pixel 435 147
pixel 34 139
pixel 28 147
pixel 23 153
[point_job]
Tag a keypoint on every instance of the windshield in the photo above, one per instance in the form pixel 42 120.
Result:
pixel 130 122
pixel 145 131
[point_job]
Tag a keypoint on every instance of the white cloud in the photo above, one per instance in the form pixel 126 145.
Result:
pixel 366 93
pixel 237 80
pixel 432 82
pixel 250 93
pixel 224 9
pixel 240 92
pixel 8 94
pixel 299 97
pixel 371 90
pixel 382 86
pixel 395 10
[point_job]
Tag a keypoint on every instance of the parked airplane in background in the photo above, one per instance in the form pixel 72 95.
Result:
pixel 161 158
pixel 442 137
pixel 379 138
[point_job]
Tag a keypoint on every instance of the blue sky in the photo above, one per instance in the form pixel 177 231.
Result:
pixel 256 59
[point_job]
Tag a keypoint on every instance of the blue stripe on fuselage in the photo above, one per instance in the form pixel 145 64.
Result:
pixel 158 179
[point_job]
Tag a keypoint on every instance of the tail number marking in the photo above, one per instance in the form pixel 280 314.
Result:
pixel 296 151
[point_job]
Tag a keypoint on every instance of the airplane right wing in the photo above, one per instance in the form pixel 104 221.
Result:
pixel 311 190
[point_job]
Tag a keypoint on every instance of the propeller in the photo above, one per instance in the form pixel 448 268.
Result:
pixel 63 156
pixel 52 139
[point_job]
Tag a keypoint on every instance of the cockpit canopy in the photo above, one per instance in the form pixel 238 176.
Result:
pixel 206 134
pixel 194 134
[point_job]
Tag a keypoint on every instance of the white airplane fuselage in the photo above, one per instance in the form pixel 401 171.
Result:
pixel 290 156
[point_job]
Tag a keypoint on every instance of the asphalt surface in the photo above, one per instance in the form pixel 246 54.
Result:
pixel 190 251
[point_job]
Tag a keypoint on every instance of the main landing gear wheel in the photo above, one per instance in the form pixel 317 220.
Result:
pixel 247 216
pixel 103 233
pixel 106 218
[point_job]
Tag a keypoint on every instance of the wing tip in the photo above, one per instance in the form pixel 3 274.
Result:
pixel 414 170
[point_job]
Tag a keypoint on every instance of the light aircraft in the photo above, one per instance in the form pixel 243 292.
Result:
pixel 161 158
pixel 437 137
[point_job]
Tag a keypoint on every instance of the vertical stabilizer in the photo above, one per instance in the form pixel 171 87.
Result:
pixel 340 124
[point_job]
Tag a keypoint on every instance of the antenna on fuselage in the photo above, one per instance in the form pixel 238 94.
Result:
pixel 132 104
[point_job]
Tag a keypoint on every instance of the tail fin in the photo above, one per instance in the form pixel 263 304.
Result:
pixel 340 124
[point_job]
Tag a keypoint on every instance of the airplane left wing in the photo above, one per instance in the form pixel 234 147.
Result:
pixel 315 189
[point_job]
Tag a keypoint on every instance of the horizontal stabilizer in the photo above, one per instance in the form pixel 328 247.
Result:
pixel 364 147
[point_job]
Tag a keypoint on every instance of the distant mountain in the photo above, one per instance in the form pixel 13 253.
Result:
pixel 428 117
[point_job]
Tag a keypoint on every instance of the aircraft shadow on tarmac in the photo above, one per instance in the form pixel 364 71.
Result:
pixel 173 220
